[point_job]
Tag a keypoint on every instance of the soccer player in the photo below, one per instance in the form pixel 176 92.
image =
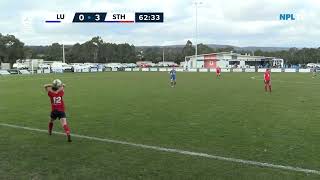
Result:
pixel 56 93
pixel 314 71
pixel 173 77
pixel 267 80
pixel 218 72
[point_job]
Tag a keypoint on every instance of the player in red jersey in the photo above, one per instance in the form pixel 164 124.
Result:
pixel 56 93
pixel 267 80
pixel 218 71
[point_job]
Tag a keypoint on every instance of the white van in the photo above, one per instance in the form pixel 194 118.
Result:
pixel 59 65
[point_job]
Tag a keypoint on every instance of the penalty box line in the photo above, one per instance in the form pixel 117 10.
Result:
pixel 177 151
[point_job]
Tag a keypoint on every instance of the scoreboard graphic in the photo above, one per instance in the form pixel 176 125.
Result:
pixel 105 17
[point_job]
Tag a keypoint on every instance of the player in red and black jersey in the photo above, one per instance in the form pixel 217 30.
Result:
pixel 56 93
pixel 267 80
pixel 218 72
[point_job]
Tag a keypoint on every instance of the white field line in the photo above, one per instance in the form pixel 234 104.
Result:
pixel 293 82
pixel 178 151
pixel 42 77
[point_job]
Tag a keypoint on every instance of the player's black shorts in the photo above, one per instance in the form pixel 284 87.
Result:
pixel 57 114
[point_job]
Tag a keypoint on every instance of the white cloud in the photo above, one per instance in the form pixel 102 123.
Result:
pixel 241 23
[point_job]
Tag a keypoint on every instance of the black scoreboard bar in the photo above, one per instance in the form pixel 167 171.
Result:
pixel 147 17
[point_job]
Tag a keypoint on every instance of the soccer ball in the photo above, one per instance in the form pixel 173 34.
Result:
pixel 57 83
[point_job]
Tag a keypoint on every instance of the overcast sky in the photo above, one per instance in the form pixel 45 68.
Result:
pixel 233 22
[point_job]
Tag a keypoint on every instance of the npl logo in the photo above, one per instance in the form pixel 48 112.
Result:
pixel 286 17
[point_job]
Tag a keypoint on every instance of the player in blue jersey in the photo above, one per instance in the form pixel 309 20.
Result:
pixel 173 77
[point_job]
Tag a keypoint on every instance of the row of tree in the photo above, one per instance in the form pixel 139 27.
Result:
pixel 294 55
pixel 96 50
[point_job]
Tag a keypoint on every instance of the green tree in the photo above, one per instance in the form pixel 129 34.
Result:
pixel 54 52
pixel 11 49
pixel 188 50
pixel 204 49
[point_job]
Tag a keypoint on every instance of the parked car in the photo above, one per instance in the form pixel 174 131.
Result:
pixel 19 66
pixel 63 66
pixel 113 65
pixel 44 66
pixel 129 65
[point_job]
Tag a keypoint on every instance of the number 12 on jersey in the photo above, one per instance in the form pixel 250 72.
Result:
pixel 57 100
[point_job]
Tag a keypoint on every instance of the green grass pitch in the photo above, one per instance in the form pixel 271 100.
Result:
pixel 229 117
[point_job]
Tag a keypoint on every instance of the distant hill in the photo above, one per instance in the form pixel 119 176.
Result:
pixel 217 46
pixel 265 49
pixel 251 48
pixel 214 46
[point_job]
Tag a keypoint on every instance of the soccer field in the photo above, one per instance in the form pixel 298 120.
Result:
pixel 230 118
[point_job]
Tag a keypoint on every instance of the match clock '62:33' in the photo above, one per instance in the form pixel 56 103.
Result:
pixel 147 17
